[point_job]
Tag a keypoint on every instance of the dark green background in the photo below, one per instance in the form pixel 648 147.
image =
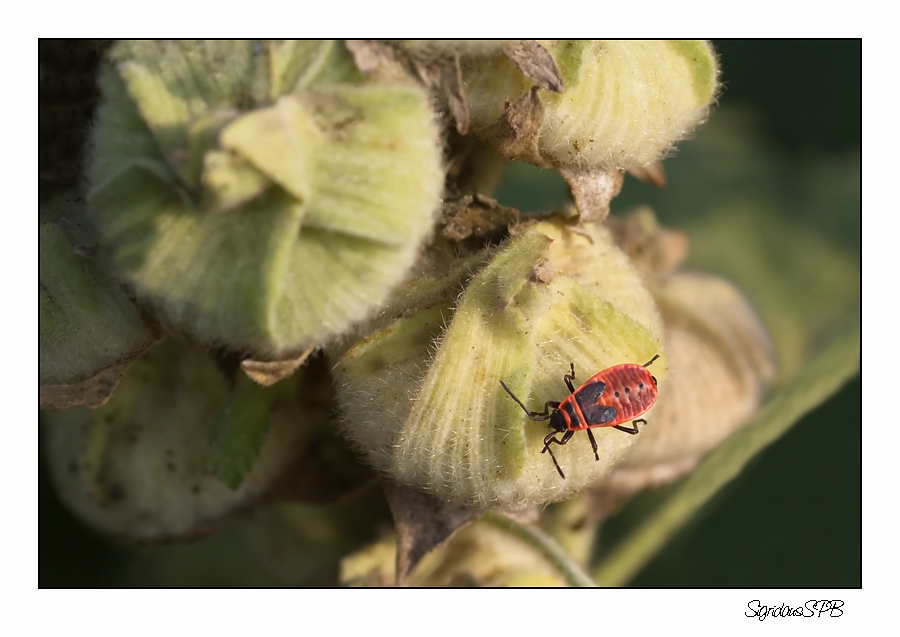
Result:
pixel 793 517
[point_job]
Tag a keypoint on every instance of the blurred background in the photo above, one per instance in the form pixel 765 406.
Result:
pixel 786 133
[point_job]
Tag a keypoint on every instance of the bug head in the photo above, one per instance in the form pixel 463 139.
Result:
pixel 558 421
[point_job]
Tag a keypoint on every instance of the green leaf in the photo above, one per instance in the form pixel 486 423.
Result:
pixel 820 378
pixel 237 431
pixel 89 329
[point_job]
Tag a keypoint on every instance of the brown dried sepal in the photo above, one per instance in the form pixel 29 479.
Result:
pixel 438 66
pixel 92 392
pixel 371 56
pixel 592 189
pixel 652 174
pixel 423 522
pixel 390 61
pixel 476 221
pixel 270 372
pixel 516 134
pixel 536 63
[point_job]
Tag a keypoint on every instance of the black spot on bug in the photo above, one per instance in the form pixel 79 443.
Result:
pixel 627 390
pixel 617 394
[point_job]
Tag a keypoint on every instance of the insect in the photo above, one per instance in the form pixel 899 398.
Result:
pixel 608 399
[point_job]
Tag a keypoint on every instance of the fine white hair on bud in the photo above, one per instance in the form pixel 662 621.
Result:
pixel 441 421
pixel 264 198
pixel 624 103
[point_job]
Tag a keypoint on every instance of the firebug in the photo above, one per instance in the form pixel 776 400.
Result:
pixel 609 398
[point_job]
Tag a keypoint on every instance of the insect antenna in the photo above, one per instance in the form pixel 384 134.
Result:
pixel 531 415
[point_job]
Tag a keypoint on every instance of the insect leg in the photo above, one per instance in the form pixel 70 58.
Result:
pixel 634 424
pixel 569 378
pixel 593 443
pixel 551 437
pixel 650 361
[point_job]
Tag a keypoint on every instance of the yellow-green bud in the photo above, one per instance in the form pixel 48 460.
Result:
pixel 623 105
pixel 440 420
pixel 260 196
pixel 722 361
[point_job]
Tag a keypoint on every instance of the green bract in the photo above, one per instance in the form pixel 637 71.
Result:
pixel 441 421
pixel 89 329
pixel 713 339
pixel 623 105
pixel 261 197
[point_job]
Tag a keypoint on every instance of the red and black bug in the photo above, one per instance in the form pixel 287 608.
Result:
pixel 608 399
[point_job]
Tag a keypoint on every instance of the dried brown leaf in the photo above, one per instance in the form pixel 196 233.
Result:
pixel 370 55
pixel 592 189
pixel 92 393
pixel 536 63
pixel 652 174
pixel 476 220
pixel 270 372
pixel 444 74
pixel 516 133
pixel 423 522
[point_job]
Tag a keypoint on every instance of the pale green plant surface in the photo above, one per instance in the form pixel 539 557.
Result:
pixel 257 213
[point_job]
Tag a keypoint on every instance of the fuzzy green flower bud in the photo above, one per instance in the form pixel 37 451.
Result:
pixel 623 105
pixel 724 360
pixel 143 467
pixel 441 421
pixel 260 196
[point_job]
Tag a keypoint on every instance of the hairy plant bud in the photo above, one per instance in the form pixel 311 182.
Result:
pixel 261 196
pixel 422 396
pixel 623 105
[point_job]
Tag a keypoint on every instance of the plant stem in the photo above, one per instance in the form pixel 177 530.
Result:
pixel 821 377
pixel 571 571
